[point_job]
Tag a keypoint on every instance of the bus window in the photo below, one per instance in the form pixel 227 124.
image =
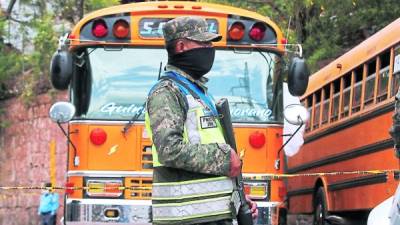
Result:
pixel 383 76
pixel 309 109
pixel 335 100
pixel 396 70
pixel 370 83
pixel 325 107
pixel 346 95
pixel 357 89
pixel 317 109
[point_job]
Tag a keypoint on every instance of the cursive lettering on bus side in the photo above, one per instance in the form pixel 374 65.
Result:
pixel 113 108
pixel 265 114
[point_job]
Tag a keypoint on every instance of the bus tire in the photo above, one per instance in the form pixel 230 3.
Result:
pixel 320 208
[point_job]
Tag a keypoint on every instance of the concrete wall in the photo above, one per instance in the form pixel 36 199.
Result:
pixel 25 159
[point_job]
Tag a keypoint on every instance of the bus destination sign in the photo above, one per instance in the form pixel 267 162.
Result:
pixel 152 27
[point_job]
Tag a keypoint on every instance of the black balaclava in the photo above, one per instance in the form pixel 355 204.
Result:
pixel 195 62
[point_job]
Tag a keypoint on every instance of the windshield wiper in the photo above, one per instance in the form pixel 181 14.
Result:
pixel 139 112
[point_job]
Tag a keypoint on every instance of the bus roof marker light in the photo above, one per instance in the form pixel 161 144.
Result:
pixel 99 28
pixel 257 139
pixel 162 6
pixel 236 31
pixel 196 7
pixel 121 29
pixel 257 31
pixel 179 6
pixel 98 136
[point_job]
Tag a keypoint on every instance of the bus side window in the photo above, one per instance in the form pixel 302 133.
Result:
pixel 309 109
pixel 370 83
pixel 346 95
pixel 383 76
pixel 325 103
pixel 317 109
pixel 357 89
pixel 396 71
pixel 335 100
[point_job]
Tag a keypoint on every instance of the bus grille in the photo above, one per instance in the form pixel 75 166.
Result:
pixel 140 188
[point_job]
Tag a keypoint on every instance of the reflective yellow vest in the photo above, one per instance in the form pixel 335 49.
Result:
pixel 198 200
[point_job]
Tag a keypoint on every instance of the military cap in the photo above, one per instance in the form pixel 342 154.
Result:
pixel 189 27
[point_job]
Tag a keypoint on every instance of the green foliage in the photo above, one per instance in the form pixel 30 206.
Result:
pixel 10 62
pixel 3 123
pixel 92 5
pixel 41 28
pixel 330 29
pixel 45 43
pixel 326 28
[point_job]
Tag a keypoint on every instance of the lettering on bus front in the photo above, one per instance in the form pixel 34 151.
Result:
pixel 152 27
pixel 114 109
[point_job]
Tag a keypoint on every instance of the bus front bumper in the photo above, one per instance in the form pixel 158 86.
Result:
pixel 107 211
pixel 138 212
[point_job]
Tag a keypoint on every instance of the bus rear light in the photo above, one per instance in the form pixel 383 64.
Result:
pixel 257 31
pixel 236 31
pixel 121 29
pixel 98 136
pixel 256 190
pixel 69 188
pixel 99 28
pixel 104 188
pixel 257 139
pixel 284 41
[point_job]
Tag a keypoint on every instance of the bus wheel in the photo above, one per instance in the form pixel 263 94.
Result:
pixel 320 209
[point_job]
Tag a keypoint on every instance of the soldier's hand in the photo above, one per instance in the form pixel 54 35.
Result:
pixel 235 164
pixel 253 207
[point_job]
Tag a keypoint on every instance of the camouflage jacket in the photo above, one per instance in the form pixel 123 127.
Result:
pixel 166 108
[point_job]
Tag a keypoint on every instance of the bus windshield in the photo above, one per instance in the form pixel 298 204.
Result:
pixel 121 81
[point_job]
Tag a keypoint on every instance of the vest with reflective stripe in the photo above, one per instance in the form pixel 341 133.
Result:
pixel 197 200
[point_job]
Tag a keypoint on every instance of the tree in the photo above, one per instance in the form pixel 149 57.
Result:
pixel 38 23
pixel 326 28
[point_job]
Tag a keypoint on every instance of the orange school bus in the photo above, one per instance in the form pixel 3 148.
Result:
pixel 351 102
pixel 109 62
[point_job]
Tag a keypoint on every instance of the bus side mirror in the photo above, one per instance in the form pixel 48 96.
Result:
pixel 62 112
pixel 296 114
pixel 298 77
pixel 61 69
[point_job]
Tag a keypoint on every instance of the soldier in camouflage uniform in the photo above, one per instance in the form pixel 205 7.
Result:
pixel 395 129
pixel 193 165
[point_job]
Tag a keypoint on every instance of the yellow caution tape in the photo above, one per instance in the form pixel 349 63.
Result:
pixel 268 176
pixel 72 188
pixel 264 176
